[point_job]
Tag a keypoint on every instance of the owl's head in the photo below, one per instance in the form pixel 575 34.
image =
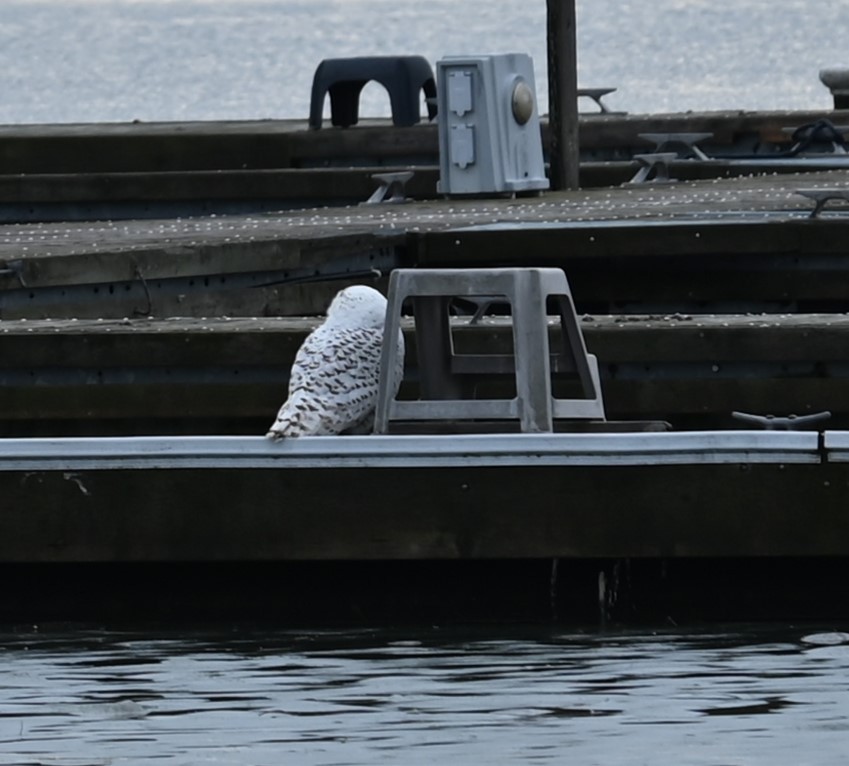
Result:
pixel 358 305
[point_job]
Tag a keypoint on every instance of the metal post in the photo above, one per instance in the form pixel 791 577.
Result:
pixel 563 94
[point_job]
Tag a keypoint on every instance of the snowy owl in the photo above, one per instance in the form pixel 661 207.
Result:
pixel 333 384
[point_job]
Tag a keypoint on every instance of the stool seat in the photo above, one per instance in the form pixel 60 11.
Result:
pixel 402 76
pixel 527 291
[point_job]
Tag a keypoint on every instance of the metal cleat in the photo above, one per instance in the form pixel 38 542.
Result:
pixel 596 94
pixel 656 164
pixel 686 140
pixel 819 133
pixel 788 423
pixel 821 196
pixel 391 187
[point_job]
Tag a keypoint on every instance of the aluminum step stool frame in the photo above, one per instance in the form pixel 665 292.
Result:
pixel 526 290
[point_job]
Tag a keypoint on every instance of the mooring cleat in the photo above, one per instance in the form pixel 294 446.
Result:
pixel 821 196
pixel 654 168
pixel 391 187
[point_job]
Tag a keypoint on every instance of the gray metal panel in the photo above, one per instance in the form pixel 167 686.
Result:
pixel 489 133
pixel 424 451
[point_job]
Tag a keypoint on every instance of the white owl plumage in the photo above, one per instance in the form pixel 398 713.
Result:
pixel 334 379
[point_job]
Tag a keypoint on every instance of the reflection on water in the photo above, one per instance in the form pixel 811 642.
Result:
pixel 741 696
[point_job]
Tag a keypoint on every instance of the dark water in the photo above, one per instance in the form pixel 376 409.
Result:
pixel 738 695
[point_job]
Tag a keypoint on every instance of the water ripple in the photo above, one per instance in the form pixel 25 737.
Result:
pixel 365 697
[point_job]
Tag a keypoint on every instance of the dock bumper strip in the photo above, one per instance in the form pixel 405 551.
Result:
pixel 411 451
pixel 836 446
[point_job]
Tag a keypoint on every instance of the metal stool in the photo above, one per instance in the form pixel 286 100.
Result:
pixel 531 364
pixel 344 79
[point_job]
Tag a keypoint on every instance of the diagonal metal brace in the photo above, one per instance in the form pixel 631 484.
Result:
pixel 788 423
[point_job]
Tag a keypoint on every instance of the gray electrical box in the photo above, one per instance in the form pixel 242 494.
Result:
pixel 489 134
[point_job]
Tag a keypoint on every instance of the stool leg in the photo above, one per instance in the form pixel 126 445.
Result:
pixel 387 384
pixel 434 348
pixel 533 367
pixel 573 344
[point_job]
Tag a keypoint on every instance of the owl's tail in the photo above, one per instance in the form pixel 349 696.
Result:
pixel 276 434
pixel 286 427
pixel 298 416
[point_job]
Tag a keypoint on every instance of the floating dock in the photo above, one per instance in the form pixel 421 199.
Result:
pixel 699 298
pixel 219 376
pixel 120 335
pixel 150 170
pixel 650 527
pixel 425 497
pixel 626 249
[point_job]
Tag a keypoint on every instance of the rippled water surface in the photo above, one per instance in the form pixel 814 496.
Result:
pixel 739 696
pixel 104 60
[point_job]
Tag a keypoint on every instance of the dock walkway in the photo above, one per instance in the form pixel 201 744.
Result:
pixel 256 265
pixel 698 298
